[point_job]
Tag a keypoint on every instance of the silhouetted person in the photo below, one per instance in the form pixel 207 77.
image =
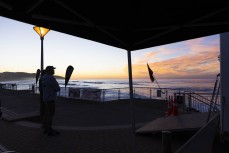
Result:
pixel 42 105
pixel 50 89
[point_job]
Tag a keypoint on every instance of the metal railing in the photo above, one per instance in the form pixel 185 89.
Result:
pixel 118 93
pixel 113 94
pixel 14 86
pixel 198 101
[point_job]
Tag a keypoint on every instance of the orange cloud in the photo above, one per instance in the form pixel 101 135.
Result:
pixel 147 57
pixel 197 58
pixel 150 54
pixel 193 65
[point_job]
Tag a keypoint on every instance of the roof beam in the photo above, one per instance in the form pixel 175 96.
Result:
pixel 112 36
pixel 74 12
pixel 6 6
pixel 154 28
pixel 90 22
pixel 35 5
pixel 205 24
pixel 156 36
pixel 209 15
pixel 189 24
pixel 64 21
pixel 59 20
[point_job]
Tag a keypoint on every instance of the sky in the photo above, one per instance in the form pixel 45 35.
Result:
pixel 20 49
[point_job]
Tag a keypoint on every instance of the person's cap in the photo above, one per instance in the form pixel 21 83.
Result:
pixel 48 68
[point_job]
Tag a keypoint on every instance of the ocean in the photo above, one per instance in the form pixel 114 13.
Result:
pixel 113 89
pixel 196 85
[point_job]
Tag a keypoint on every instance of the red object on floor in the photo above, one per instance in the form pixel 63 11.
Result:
pixel 175 111
pixel 170 107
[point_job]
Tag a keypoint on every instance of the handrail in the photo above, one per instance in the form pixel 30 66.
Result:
pixel 203 138
pixel 198 94
pixel 201 100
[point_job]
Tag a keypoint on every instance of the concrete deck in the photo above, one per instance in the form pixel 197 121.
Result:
pixel 84 126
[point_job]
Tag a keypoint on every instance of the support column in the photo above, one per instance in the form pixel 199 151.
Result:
pixel 131 89
pixel 224 82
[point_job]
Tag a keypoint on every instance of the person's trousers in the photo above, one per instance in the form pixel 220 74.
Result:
pixel 49 114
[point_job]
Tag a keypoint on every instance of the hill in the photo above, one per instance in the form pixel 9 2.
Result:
pixel 14 76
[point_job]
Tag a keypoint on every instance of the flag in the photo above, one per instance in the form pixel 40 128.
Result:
pixel 150 73
pixel 68 74
pixel 38 75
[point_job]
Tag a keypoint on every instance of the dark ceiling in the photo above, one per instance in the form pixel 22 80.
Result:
pixel 126 24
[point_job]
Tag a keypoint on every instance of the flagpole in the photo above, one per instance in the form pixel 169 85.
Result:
pixel 152 77
pixel 157 82
pixel 158 85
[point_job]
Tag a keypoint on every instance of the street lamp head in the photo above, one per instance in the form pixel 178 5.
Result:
pixel 41 31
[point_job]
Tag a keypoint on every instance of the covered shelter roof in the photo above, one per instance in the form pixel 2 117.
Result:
pixel 126 24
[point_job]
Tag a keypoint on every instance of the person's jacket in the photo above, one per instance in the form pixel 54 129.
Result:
pixel 50 87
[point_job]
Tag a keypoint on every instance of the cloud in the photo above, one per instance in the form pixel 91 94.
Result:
pixel 147 57
pixel 196 46
pixel 200 61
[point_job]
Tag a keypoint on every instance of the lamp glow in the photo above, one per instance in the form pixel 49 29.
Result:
pixel 41 31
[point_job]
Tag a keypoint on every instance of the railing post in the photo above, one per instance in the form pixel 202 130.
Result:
pixel 166 94
pixel 184 101
pixel 150 93
pixel 134 93
pixel 118 94
pixel 175 96
pixel 189 101
pixel 104 94
pixel 33 88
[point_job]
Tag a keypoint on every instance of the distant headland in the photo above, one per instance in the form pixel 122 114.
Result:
pixel 14 76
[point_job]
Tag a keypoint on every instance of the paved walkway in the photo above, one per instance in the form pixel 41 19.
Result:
pixel 83 113
pixel 84 126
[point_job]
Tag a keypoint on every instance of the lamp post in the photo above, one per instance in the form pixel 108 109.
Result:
pixel 41 32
